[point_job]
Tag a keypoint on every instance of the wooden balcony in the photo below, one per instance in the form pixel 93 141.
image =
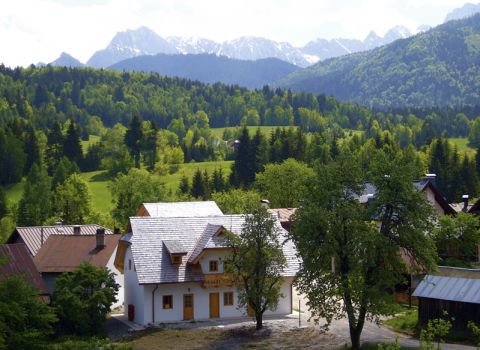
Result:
pixel 217 280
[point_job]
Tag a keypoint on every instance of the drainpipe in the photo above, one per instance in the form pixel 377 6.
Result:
pixel 153 303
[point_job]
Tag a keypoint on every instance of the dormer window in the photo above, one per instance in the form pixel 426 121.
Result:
pixel 176 250
pixel 213 265
pixel 176 259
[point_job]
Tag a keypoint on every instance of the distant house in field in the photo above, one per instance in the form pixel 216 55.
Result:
pixel 173 268
pixel 179 209
pixel 452 290
pixel 16 260
pixel 62 248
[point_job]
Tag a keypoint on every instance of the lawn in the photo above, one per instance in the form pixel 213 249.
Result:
pixel 14 192
pixel 266 130
pixel 462 145
pixel 405 321
pixel 98 182
pixel 92 139
pixel 172 181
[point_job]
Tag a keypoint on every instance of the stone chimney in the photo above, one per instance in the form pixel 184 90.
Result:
pixel 77 229
pixel 265 203
pixel 100 238
pixel 432 178
pixel 465 202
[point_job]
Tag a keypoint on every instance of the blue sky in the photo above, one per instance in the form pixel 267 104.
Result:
pixel 39 30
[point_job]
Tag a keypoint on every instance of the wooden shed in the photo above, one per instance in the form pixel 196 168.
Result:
pixel 458 296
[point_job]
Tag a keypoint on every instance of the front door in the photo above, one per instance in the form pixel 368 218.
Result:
pixel 188 306
pixel 214 305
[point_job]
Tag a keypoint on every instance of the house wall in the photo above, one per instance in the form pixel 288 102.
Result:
pixel 218 255
pixel 431 199
pixel 133 292
pixel 118 279
pixel 202 302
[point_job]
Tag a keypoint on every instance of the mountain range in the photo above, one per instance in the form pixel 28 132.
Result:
pixel 436 68
pixel 144 41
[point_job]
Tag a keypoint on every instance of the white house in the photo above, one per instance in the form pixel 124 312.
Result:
pixel 177 209
pixel 173 268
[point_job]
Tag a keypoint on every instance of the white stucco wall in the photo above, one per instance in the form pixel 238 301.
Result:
pixel 218 255
pixel 202 302
pixel 118 279
pixel 431 199
pixel 133 292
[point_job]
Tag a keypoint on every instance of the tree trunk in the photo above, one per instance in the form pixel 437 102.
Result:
pixel 355 338
pixel 259 317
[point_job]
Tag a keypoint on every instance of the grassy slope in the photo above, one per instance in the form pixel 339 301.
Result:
pixel 92 139
pixel 98 182
pixel 462 145
pixel 266 130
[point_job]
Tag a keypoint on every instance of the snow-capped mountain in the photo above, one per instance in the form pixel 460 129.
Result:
pixel 143 41
pixel 466 10
pixel 131 43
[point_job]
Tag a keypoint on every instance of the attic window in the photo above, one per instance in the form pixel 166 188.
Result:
pixel 176 259
pixel 213 265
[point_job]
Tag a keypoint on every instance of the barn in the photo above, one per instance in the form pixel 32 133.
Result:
pixel 457 293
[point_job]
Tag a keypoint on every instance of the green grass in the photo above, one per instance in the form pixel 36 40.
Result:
pixel 266 130
pixel 92 139
pixel 14 192
pixel 98 182
pixel 405 321
pixel 172 181
pixel 462 145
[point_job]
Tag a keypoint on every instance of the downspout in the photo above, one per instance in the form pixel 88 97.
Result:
pixel 153 303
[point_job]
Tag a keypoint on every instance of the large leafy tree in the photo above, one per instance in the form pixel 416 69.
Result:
pixel 83 299
pixel 256 263
pixel 351 248
pixel 73 200
pixel 284 184
pixel 457 239
pixel 131 190
pixel 35 207
pixel 25 320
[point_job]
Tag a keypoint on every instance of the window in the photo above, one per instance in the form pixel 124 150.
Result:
pixel 167 301
pixel 228 298
pixel 213 265
pixel 129 264
pixel 177 259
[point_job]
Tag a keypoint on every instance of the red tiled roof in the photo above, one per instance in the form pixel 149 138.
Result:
pixel 20 262
pixel 64 253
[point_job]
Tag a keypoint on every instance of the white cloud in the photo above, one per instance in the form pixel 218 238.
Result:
pixel 33 30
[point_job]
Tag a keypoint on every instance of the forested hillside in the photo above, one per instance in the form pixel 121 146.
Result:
pixel 211 68
pixel 128 133
pixel 436 68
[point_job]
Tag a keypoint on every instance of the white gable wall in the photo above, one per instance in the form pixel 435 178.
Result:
pixel 133 292
pixel 432 200
pixel 213 254
pixel 118 279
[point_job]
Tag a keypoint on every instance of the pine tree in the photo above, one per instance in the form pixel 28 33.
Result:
pixel 218 182
pixel 72 148
pixel 198 186
pixel 36 204
pixel 133 138
pixel 3 203
pixel 184 187
pixel 31 149
pixel 206 185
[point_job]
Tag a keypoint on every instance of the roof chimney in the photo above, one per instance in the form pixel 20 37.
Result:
pixel 100 238
pixel 432 178
pixel 116 230
pixel 76 229
pixel 465 202
pixel 265 203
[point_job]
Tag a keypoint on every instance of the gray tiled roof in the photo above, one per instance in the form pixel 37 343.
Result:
pixel 152 260
pixel 207 240
pixel 175 247
pixel 177 209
